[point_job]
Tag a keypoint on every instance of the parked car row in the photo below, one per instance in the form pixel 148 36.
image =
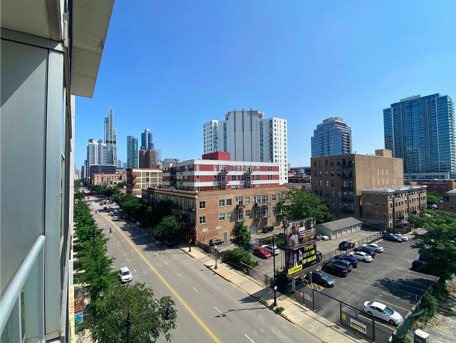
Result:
pixel 395 238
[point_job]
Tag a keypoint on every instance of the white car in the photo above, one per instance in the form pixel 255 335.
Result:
pixel 273 250
pixel 374 247
pixel 362 256
pixel 125 275
pixel 382 311
pixel 404 238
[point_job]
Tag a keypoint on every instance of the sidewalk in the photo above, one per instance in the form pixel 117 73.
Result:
pixel 296 313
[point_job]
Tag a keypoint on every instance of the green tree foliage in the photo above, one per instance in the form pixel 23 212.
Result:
pixel 433 198
pixel 92 262
pixel 168 228
pixel 234 258
pixel 241 235
pixel 301 204
pixel 147 314
pixel 438 244
pixel 278 239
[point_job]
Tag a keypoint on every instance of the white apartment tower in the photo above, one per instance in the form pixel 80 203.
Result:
pixel 247 136
pixel 96 152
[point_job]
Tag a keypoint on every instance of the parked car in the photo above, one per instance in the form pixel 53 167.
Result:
pixel 249 246
pixel 346 245
pixel 335 269
pixel 418 265
pixel 125 275
pixel 392 238
pixel 374 247
pixel 402 237
pixel 351 259
pixel 115 218
pixel 215 241
pixel 321 278
pixel 362 256
pixel 262 252
pixel 342 263
pixel 423 257
pixel 273 250
pixel 267 229
pixel 367 251
pixel 379 310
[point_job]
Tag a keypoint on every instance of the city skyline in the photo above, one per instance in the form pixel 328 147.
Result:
pixel 310 63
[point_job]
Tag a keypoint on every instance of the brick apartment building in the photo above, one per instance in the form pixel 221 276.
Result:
pixel 215 171
pixel 339 180
pixel 213 213
pixel 142 178
pixel 387 207
pixel 148 158
pixel 448 203
pixel 108 180
pixel 437 185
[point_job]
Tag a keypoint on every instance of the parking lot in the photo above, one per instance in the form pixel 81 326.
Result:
pixel 387 279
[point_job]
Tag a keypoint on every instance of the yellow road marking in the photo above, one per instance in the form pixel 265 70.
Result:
pixel 167 284
pixel 383 301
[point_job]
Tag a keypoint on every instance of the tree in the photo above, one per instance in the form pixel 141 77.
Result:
pixel 241 235
pixel 147 314
pixel 438 244
pixel 169 228
pixel 433 198
pixel 301 204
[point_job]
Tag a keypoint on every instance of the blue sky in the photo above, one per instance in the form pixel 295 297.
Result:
pixel 172 65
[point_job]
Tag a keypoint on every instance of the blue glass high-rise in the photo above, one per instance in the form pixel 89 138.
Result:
pixel 421 131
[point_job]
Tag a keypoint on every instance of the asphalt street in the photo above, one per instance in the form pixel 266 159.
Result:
pixel 209 308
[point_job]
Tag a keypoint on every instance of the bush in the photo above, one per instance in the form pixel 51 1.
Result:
pixel 279 310
pixel 429 306
pixel 236 258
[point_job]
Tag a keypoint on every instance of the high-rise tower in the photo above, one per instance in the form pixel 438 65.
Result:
pixel 110 138
pixel 247 136
pixel 421 131
pixel 331 137
pixel 132 152
pixel 146 140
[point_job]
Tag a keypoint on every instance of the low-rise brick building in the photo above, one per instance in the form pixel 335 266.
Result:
pixel 214 213
pixel 142 178
pixel 448 203
pixel 108 180
pixel 387 207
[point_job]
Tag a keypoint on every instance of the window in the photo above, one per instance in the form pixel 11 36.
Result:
pixel 228 216
pixel 221 216
pixel 273 197
pixel 247 213
pixel 256 199
pixel 238 200
pixel 202 206
pixel 239 216
pixel 221 202
pixel 202 220
pixel 265 199
pixel 228 202
pixel 247 200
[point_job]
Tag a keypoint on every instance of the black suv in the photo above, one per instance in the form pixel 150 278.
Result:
pixel 335 269
pixel 346 245
pixel 342 263
pixel 267 229
pixel 392 238
pixel 418 265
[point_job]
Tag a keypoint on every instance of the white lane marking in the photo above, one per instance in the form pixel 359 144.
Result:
pixel 118 244
pixel 218 310
pixel 179 274
pixel 195 289
pixel 127 259
pixel 167 263
pixel 251 340
pixel 134 270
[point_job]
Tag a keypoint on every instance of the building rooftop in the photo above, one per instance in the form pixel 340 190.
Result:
pixel 340 224
pixel 394 189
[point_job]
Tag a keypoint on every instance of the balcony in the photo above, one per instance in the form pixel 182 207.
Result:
pixel 347 188
pixel 265 204
pixel 256 205
pixel 240 220
pixel 223 172
pixel 240 207
pixel 348 210
pixel 223 181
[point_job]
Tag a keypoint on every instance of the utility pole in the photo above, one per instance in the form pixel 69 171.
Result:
pixel 273 261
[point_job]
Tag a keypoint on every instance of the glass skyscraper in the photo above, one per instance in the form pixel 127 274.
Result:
pixel 332 137
pixel 421 131
pixel 110 138
pixel 132 152
pixel 146 139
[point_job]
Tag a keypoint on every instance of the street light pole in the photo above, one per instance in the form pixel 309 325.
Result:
pixel 273 262
pixel 190 245
pixel 216 256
